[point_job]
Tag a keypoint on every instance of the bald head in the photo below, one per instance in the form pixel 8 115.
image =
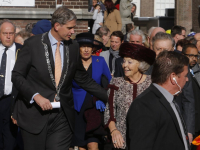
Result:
pixel 153 33
pixel 197 37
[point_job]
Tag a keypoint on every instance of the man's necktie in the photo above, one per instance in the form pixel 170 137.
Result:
pixel 3 72
pixel 58 64
pixel 183 123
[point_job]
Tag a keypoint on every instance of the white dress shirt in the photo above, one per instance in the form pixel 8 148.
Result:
pixel 10 62
pixel 53 42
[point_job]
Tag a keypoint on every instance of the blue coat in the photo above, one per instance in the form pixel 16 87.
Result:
pixel 99 68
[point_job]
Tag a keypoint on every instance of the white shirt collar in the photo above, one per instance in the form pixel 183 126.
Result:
pixel 12 47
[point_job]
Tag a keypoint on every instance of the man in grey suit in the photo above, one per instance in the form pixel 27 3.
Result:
pixel 116 39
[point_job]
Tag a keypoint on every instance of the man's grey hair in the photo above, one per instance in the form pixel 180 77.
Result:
pixel 136 32
pixel 7 21
pixel 143 66
pixel 163 36
pixel 62 15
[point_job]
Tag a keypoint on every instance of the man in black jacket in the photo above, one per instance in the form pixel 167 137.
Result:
pixel 191 51
pixel 43 74
pixel 185 100
pixel 154 121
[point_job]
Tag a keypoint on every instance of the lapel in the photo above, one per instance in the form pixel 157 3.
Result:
pixel 47 41
pixel 193 78
pixel 65 43
pixel 95 67
pixel 106 56
pixel 17 49
pixel 168 107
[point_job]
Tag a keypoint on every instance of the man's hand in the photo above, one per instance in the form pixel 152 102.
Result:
pixel 44 103
pixel 14 121
pixel 190 136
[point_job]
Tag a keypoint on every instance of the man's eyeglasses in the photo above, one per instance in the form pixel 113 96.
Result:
pixel 192 56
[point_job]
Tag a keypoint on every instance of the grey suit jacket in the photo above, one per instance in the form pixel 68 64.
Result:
pixel 106 55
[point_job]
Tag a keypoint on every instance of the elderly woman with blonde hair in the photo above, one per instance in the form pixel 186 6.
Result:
pixel 123 90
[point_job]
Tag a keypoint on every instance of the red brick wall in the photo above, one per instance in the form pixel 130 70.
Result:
pixel 72 4
pixel 45 3
pixel 76 4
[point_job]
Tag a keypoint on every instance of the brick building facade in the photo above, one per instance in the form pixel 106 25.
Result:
pixel 43 9
pixel 186 12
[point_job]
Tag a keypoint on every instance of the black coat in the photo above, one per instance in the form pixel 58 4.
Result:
pixel 119 72
pixel 186 101
pixel 152 124
pixel 31 75
pixel 196 90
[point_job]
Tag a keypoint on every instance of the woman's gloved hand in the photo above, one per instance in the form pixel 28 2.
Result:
pixel 100 105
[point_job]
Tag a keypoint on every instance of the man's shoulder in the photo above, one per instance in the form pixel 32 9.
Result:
pixel 147 101
pixel 148 97
pixel 104 53
pixel 18 46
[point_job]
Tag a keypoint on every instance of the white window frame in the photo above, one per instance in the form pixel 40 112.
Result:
pixel 155 2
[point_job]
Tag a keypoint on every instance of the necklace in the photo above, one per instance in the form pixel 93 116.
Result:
pixel 87 65
pixel 135 87
pixel 137 81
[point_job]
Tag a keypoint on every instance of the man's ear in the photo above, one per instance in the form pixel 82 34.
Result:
pixel 57 26
pixel 171 78
pixel 123 41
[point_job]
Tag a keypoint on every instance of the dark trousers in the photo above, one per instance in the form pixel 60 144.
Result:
pixel 8 131
pixel 56 134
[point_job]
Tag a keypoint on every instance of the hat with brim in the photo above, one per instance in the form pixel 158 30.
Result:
pixel 137 52
pixel 88 38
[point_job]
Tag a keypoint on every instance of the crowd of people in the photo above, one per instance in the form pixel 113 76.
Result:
pixel 106 89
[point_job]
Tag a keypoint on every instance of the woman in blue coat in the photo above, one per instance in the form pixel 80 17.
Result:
pixel 88 110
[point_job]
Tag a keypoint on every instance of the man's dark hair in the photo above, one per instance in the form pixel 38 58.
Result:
pixel 118 34
pixel 177 30
pixel 129 27
pixel 166 63
pixel 191 39
pixel 182 43
pixel 185 47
